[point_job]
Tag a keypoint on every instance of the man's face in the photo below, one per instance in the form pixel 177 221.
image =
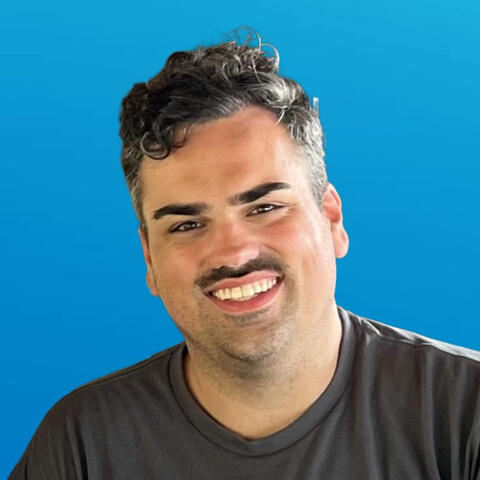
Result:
pixel 282 235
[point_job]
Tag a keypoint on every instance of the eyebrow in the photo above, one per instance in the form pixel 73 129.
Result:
pixel 237 199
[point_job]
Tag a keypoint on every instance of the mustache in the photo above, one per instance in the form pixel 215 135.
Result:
pixel 257 264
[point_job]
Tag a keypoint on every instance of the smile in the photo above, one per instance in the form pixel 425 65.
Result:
pixel 247 298
pixel 245 292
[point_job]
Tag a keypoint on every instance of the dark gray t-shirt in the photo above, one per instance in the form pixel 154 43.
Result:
pixel 400 406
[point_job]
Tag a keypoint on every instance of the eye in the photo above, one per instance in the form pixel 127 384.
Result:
pixel 179 228
pixel 268 206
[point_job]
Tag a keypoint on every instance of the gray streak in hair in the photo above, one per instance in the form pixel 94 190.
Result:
pixel 209 83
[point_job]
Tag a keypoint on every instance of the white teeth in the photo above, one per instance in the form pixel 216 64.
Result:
pixel 246 292
pixel 236 293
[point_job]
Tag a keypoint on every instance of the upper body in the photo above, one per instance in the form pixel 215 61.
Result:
pixel 240 231
pixel 399 406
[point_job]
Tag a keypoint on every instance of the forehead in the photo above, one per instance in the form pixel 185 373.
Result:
pixel 223 157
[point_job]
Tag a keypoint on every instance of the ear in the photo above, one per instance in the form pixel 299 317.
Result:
pixel 332 210
pixel 148 261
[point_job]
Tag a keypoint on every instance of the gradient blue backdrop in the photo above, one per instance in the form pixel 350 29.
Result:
pixel 399 90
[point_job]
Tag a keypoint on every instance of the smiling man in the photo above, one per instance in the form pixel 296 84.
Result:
pixel 237 264
pixel 240 231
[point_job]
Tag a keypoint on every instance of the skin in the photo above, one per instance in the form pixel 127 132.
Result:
pixel 255 373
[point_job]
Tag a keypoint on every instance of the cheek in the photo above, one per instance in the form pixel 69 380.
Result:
pixel 174 271
pixel 300 236
pixel 307 248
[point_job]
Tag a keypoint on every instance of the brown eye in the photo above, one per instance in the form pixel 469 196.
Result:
pixel 179 228
pixel 268 206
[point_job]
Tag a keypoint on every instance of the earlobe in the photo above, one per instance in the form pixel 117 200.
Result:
pixel 150 279
pixel 332 209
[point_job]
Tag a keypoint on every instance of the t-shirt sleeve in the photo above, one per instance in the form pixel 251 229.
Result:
pixel 473 455
pixel 475 465
pixel 53 453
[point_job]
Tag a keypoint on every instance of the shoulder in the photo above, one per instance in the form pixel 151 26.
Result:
pixel 393 357
pixel 406 342
pixel 95 414
pixel 424 390
pixel 140 378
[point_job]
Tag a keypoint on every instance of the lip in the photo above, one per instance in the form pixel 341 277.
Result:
pixel 262 300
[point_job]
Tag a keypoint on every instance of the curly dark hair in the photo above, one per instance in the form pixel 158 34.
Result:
pixel 208 83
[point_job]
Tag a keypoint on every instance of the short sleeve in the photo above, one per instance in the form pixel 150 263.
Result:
pixel 54 452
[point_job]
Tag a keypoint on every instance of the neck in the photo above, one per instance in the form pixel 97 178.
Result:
pixel 257 400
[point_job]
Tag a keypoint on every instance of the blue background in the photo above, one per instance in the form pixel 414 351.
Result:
pixel 399 89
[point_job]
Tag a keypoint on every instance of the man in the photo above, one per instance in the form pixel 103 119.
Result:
pixel 240 230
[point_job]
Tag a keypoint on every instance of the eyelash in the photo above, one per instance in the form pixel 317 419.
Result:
pixel 176 229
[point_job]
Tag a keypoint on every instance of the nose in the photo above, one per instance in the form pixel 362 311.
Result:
pixel 231 245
